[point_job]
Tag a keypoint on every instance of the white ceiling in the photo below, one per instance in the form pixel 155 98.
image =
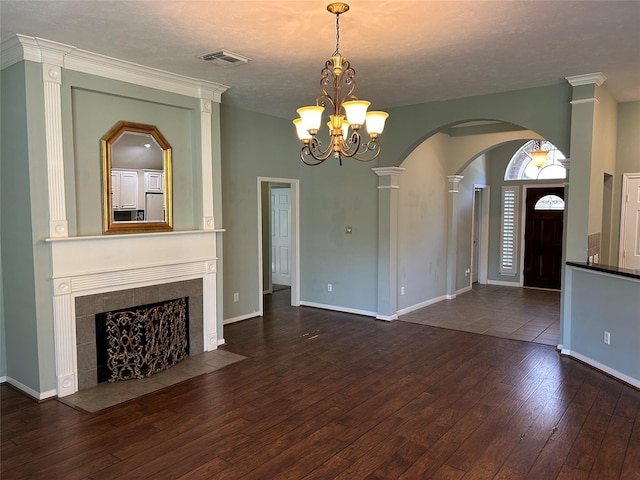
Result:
pixel 404 52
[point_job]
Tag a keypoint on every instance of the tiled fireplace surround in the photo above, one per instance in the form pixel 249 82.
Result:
pixel 89 305
pixel 102 273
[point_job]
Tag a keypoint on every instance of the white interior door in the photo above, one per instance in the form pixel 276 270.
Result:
pixel 630 222
pixel 281 235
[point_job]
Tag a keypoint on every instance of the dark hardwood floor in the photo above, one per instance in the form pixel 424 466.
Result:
pixel 326 395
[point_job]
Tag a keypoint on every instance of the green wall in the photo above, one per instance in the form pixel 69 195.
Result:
pixel 606 303
pixel 253 145
pixel 545 110
pixel 422 223
pixel 332 198
pixel 24 207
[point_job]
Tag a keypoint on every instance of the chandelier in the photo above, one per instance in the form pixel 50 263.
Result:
pixel 348 113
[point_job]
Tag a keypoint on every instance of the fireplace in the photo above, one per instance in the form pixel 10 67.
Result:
pixel 141 341
pixel 103 273
pixel 92 310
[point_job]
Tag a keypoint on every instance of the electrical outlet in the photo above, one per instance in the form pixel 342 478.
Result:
pixel 401 290
pixel 329 287
pixel 607 338
pixel 236 297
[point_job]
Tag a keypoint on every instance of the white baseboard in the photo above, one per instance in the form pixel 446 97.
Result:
pixel 3 379
pixel 387 318
pixel 221 341
pixel 30 391
pixel 339 309
pixel 604 368
pixel 420 305
pixel 240 318
pixel 503 283
pixel 463 290
pixel 450 297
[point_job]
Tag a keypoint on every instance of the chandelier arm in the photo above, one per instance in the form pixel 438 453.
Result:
pixel 314 149
pixel 305 161
pixel 349 79
pixel 349 148
pixel 371 146
pixel 326 78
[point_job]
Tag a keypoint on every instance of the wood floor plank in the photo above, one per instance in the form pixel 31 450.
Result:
pixel 329 395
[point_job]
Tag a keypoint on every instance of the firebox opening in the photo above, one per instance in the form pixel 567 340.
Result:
pixel 140 341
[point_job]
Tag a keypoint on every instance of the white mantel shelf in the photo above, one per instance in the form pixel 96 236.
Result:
pixel 145 234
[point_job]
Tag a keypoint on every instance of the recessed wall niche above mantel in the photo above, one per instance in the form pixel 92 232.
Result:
pixel 136 179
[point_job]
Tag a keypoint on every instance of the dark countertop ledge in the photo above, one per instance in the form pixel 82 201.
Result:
pixel 599 267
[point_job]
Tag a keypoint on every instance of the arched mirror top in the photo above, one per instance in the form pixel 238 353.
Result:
pixel 136 179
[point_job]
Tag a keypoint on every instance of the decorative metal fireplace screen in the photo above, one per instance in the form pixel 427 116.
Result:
pixel 136 343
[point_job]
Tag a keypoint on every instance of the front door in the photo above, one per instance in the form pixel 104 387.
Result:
pixel 543 237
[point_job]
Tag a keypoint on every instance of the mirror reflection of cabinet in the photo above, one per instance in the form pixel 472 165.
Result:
pixel 136 179
pixel 124 189
pixel 153 182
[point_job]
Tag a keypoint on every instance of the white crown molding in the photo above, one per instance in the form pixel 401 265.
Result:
pixel 597 78
pixel 384 171
pixel 40 50
pixel 584 100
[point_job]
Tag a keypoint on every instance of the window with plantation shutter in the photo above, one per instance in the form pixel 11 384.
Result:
pixel 508 231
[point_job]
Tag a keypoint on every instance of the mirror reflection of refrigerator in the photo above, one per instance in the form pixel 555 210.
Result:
pixel 154 207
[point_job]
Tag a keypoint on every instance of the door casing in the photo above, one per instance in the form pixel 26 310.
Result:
pixel 294 184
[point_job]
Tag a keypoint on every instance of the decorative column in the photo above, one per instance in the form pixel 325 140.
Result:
pixel 52 61
pixel 583 200
pixel 388 179
pixel 452 234
pixel 578 201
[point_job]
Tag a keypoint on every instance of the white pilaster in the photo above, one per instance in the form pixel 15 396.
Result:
pixel 209 307
pixel 207 165
pixel 52 76
pixel 452 234
pixel 65 338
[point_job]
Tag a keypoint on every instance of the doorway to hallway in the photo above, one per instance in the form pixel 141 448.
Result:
pixel 278 240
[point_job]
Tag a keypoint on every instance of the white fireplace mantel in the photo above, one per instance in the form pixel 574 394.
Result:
pixel 97 264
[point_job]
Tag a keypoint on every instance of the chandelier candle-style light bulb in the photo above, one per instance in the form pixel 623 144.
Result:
pixel 303 134
pixel 375 123
pixel 311 118
pixel 337 83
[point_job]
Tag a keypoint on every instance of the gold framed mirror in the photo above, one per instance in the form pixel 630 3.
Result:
pixel 137 181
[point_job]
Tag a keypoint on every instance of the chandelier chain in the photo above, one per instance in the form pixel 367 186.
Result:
pixel 337 52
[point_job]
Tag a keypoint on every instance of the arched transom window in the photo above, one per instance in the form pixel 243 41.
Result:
pixel 549 202
pixel 521 166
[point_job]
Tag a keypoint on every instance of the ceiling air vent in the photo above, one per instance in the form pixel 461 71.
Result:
pixel 225 57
